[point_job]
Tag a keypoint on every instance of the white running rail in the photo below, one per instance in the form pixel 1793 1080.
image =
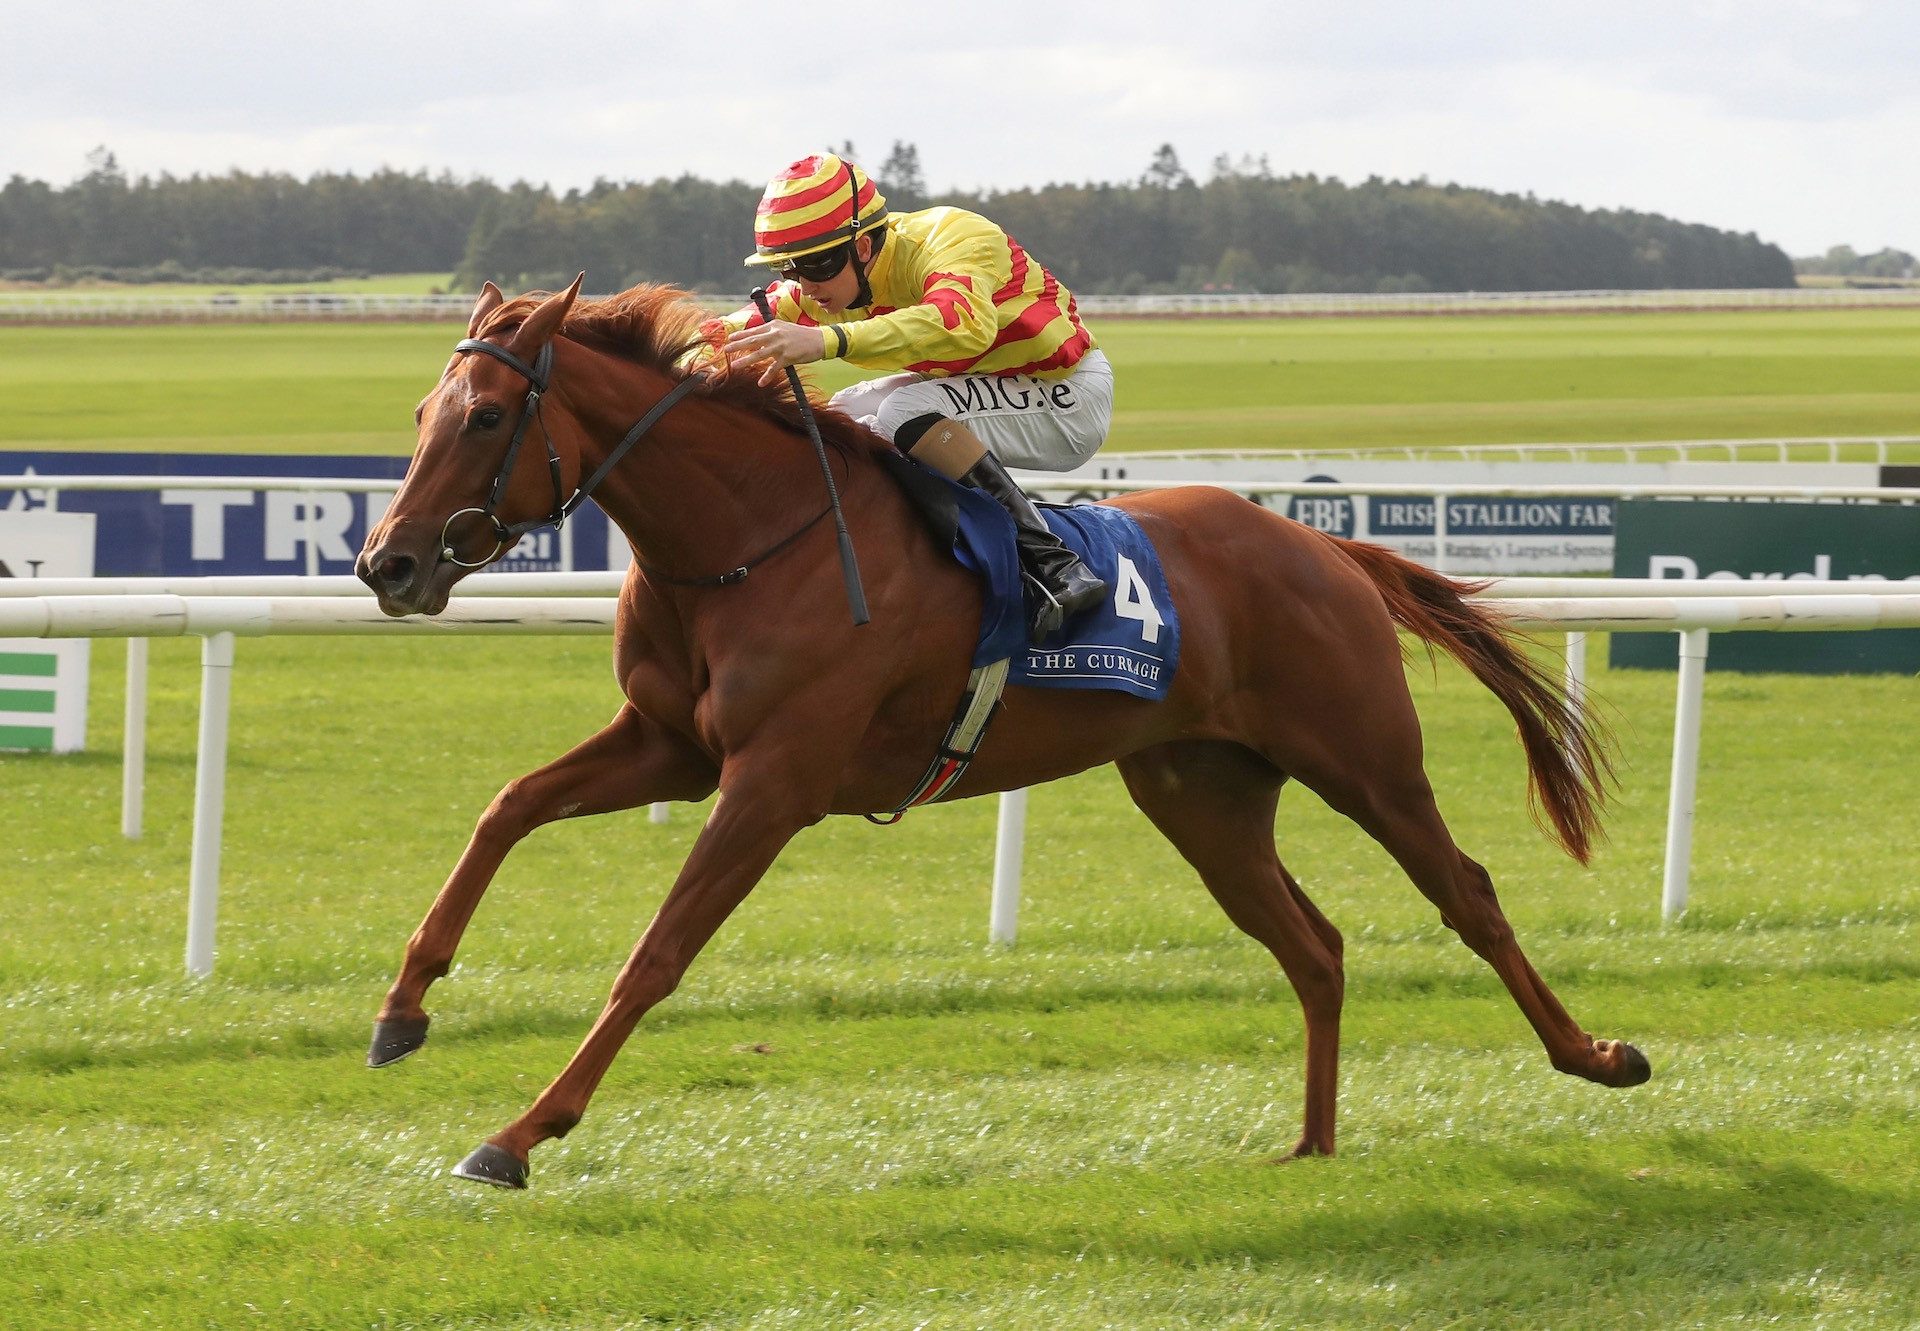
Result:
pixel 1880 449
pixel 1692 613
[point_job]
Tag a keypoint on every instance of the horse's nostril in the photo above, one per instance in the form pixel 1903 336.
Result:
pixel 396 570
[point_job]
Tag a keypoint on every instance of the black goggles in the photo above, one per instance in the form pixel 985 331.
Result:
pixel 820 266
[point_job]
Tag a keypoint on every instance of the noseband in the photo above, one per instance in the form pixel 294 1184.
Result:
pixel 536 376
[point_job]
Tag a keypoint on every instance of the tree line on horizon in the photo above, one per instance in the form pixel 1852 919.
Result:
pixel 1245 228
pixel 1885 265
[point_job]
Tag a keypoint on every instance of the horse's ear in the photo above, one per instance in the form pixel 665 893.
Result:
pixel 489 301
pixel 544 322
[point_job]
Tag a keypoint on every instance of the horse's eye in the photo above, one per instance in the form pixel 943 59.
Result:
pixel 487 419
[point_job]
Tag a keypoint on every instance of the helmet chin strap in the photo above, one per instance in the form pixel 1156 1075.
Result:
pixel 864 297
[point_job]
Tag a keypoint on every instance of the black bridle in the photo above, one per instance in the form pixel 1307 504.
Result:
pixel 537 375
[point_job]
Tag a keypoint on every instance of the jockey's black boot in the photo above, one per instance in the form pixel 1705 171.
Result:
pixel 1060 585
pixel 1065 586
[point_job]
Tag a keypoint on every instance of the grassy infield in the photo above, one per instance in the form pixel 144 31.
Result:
pixel 1072 1133
pixel 1197 383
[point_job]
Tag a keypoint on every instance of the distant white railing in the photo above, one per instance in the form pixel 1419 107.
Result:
pixel 119 307
pixel 246 307
pixel 1880 449
pixel 1035 480
pixel 1500 302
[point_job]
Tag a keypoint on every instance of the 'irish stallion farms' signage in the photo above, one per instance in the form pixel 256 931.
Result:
pixel 1526 533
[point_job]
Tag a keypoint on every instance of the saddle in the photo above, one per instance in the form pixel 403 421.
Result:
pixel 1130 645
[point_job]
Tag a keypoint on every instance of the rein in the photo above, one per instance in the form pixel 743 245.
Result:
pixel 739 574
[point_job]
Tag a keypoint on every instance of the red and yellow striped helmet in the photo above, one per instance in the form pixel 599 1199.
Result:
pixel 811 206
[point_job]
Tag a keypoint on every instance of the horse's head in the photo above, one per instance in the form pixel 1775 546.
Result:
pixel 485 467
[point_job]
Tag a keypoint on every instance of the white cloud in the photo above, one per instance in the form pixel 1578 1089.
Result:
pixel 1792 118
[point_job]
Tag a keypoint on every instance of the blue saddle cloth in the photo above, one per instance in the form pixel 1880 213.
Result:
pixel 1130 644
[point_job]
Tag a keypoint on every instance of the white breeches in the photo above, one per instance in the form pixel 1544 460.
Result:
pixel 1040 424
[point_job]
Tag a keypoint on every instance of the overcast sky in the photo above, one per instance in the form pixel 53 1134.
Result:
pixel 1795 119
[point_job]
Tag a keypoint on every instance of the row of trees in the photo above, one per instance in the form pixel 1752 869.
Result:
pixel 1245 228
pixel 1843 261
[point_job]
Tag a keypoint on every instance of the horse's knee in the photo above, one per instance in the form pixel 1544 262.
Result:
pixel 649 978
pixel 512 814
pixel 1318 976
pixel 1327 991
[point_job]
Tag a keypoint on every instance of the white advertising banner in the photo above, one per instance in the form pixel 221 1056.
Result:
pixel 1507 534
pixel 43 682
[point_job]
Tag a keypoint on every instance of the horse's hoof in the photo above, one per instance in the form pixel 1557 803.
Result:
pixel 1635 1067
pixel 394 1040
pixel 495 1165
pixel 1303 1150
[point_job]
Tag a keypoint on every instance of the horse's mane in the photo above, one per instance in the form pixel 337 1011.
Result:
pixel 657 326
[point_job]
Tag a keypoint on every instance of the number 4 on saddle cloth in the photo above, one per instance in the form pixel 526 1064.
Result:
pixel 1131 644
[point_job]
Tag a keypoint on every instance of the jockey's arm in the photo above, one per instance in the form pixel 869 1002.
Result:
pixel 790 308
pixel 952 322
pixel 949 326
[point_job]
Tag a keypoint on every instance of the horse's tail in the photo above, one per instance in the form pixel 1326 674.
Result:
pixel 1569 753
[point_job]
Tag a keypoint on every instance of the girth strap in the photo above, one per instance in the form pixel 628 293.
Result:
pixel 962 742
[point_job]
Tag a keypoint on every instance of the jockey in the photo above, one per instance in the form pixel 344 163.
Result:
pixel 991 360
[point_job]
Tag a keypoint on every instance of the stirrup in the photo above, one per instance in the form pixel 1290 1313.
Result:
pixel 1045 614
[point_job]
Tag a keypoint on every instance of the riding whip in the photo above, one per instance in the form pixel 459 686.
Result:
pixel 849 566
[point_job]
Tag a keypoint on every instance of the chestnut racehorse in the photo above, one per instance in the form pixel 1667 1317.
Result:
pixel 760 688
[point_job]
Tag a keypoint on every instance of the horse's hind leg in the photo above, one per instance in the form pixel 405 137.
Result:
pixel 1394 803
pixel 632 761
pixel 1215 802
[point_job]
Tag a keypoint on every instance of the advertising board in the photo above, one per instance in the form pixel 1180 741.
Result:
pixel 1661 538
pixel 190 531
pixel 1509 534
pixel 43 682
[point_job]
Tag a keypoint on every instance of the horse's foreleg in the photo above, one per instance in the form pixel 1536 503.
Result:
pixel 747 828
pixel 1215 802
pixel 633 761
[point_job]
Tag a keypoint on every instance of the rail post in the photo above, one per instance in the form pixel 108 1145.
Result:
pixel 1686 771
pixel 133 761
pixel 1576 673
pixel 209 801
pixel 1008 844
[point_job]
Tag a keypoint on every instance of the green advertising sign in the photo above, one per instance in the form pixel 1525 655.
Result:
pixel 1657 538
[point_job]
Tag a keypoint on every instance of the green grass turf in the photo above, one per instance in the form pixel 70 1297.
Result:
pixel 857 1113
pixel 1226 383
